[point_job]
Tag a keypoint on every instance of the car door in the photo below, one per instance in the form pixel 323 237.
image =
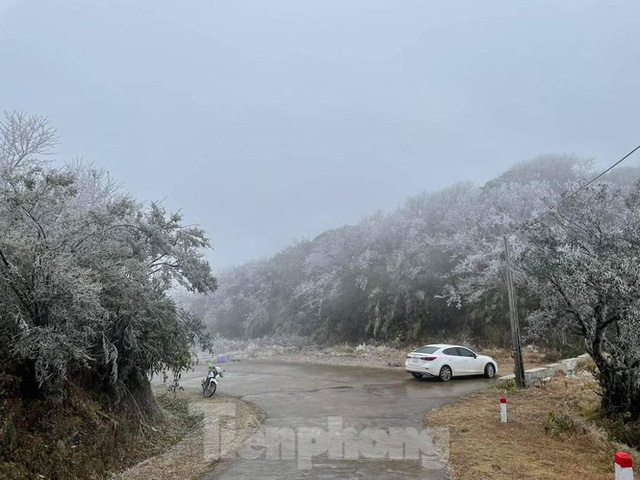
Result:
pixel 454 360
pixel 471 363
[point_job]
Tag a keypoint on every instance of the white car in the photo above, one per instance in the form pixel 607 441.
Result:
pixel 448 361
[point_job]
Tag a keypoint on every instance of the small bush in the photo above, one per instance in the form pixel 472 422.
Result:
pixel 621 431
pixel 559 423
pixel 505 386
pixel 13 471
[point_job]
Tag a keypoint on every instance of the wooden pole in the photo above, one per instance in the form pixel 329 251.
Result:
pixel 515 324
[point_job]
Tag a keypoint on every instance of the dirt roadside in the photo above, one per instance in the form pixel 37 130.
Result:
pixel 549 434
pixel 195 454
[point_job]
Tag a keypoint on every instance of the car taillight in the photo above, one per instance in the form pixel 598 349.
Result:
pixel 428 359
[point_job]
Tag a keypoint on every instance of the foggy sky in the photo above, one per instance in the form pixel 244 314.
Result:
pixel 272 120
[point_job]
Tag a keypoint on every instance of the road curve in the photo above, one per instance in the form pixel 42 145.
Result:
pixel 297 397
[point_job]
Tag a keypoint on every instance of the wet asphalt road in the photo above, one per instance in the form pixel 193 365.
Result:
pixel 301 396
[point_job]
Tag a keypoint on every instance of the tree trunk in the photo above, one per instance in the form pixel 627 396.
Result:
pixel 138 398
pixel 620 390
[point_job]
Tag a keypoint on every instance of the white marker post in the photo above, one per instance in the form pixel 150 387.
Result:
pixel 503 410
pixel 624 466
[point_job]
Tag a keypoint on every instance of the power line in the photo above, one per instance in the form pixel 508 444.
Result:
pixel 578 190
pixel 513 307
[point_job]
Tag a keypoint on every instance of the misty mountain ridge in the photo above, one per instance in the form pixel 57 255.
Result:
pixel 386 276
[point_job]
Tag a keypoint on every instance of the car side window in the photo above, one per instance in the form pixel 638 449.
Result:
pixel 465 353
pixel 451 351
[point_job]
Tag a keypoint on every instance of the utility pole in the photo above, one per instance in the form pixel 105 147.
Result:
pixel 515 324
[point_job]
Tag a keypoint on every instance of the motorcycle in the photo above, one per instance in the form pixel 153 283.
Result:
pixel 210 383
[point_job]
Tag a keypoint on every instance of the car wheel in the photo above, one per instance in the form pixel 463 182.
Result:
pixel 446 373
pixel 489 370
pixel 416 375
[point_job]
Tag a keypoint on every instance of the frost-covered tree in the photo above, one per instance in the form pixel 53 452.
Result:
pixel 479 218
pixel 582 262
pixel 393 276
pixel 85 274
pixel 95 187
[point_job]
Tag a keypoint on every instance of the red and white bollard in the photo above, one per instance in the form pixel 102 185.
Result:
pixel 503 410
pixel 624 466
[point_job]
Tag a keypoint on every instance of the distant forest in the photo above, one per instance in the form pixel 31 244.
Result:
pixel 430 270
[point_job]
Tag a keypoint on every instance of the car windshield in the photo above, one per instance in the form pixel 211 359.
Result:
pixel 426 349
